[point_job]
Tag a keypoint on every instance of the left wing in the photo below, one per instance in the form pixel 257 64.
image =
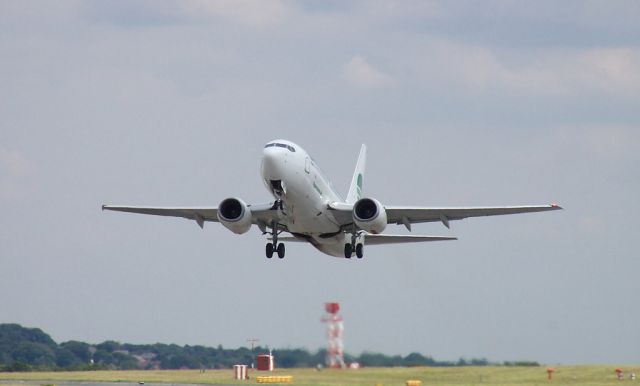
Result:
pixel 407 215
pixel 412 215
pixel 260 214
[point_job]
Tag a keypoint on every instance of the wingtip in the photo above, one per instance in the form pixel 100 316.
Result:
pixel 556 206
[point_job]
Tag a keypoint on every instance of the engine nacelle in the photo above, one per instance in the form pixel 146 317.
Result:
pixel 369 215
pixel 235 215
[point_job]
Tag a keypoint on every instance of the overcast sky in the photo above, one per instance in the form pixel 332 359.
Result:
pixel 460 103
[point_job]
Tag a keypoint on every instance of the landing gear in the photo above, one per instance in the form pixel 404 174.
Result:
pixel 274 246
pixel 347 251
pixel 277 204
pixel 359 252
pixel 280 250
pixel 271 248
pixel 358 248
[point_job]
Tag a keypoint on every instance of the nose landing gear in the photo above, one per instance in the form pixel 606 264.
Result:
pixel 271 248
pixel 274 246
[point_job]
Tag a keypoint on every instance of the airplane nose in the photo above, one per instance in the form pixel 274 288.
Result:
pixel 272 164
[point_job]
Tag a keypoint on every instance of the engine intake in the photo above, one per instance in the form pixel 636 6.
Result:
pixel 235 215
pixel 369 215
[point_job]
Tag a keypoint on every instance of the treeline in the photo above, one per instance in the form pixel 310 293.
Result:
pixel 29 349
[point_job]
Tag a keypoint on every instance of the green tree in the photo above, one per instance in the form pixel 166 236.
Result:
pixel 109 346
pixel 35 354
pixel 66 358
pixel 103 357
pixel 80 349
pixel 417 359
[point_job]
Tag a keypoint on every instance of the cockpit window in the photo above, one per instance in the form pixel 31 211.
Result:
pixel 276 144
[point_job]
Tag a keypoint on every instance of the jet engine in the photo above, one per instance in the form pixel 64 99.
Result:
pixel 235 215
pixel 369 215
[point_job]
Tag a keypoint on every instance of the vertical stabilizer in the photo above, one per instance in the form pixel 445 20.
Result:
pixel 355 189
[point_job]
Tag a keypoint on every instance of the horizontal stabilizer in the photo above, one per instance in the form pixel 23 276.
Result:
pixel 290 239
pixel 370 239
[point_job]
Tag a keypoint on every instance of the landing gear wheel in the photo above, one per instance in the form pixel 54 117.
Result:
pixel 359 251
pixel 348 248
pixel 269 250
pixel 280 250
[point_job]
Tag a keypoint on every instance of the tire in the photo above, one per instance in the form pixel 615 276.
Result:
pixel 348 248
pixel 280 250
pixel 359 250
pixel 269 250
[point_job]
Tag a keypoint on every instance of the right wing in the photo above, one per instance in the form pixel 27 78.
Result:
pixel 260 214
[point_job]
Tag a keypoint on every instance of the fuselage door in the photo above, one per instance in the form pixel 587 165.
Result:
pixel 307 165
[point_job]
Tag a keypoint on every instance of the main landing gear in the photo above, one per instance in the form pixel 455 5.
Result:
pixel 348 248
pixel 274 246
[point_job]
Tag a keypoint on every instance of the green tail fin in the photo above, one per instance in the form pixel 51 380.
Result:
pixel 355 189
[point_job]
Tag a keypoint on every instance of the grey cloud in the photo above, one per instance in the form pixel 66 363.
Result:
pixel 362 74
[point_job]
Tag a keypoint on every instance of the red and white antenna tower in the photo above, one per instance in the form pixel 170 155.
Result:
pixel 335 328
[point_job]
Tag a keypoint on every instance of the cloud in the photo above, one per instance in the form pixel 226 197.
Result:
pixel 610 68
pixel 253 13
pixel 360 73
pixel 147 13
pixel 551 71
pixel 13 168
pixel 13 163
pixel 614 142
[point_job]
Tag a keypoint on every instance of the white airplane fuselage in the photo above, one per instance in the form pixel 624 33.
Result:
pixel 294 178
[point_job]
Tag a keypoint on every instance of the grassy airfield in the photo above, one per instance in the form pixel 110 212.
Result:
pixel 599 375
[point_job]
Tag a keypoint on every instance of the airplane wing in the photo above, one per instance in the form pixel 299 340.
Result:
pixel 412 215
pixel 261 214
pixel 407 215
pixel 370 239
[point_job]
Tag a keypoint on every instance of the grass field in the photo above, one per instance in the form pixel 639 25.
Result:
pixel 600 375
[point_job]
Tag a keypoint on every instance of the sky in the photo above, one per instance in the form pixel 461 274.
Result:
pixel 466 103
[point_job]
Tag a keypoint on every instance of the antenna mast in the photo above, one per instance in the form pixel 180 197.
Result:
pixel 335 328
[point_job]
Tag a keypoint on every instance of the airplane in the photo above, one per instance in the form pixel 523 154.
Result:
pixel 308 207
